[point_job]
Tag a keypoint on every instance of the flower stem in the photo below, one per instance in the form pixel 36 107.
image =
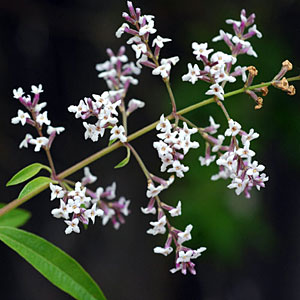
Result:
pixel 17 202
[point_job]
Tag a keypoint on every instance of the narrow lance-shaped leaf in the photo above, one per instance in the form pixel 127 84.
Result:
pixel 15 218
pixel 125 161
pixel 53 263
pixel 34 185
pixel 27 173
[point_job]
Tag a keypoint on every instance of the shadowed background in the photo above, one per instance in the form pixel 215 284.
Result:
pixel 253 244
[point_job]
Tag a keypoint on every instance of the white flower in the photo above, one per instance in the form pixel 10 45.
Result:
pixel 107 216
pixel 245 152
pixel 184 257
pixel 201 49
pixel 26 140
pixel 163 251
pixel 158 227
pixel 250 136
pixel 178 168
pixel 238 184
pixel 148 210
pixel 254 169
pixel 72 226
pixel 40 106
pixel 173 60
pixel 18 93
pixel 56 191
pixel 121 30
pixel 221 36
pixel 159 41
pixel 219 143
pixel 82 107
pixel 22 116
pixel 94 212
pixel 242 71
pixel 148 28
pixel 193 73
pixel 213 126
pixel 36 90
pixel 186 235
pixel 176 211
pixel 216 90
pixel 162 70
pixel 74 206
pixel 60 212
pixel 88 176
pixel 43 119
pixel 118 132
pixel 153 191
pixel 90 131
pixel 206 161
pixel 234 128
pixel 39 142
pixel 134 104
pixel 103 66
pixel 254 29
pixel 222 58
pixel 162 148
pixel 164 124
pixel 58 130
pixel 135 39
pixel 139 49
pixel 110 191
pixel 198 252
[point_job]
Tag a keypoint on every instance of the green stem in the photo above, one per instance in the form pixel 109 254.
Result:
pixel 17 202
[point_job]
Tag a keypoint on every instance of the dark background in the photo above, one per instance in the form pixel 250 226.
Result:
pixel 253 244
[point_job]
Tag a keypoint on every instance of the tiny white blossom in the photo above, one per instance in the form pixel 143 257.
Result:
pixel 118 132
pixel 147 210
pixel 153 191
pixel 201 49
pixel 94 212
pixel 88 176
pixel 186 235
pixel 198 252
pixel 139 49
pixel 58 130
pixel 162 70
pixel 121 30
pixel 43 118
pixel 238 184
pixel 56 191
pixel 60 212
pixel 18 93
pixel 72 226
pixel 158 227
pixel 148 28
pixel 22 116
pixel 173 60
pixel 216 90
pixel 164 124
pixel 245 152
pixel 234 128
pixel 159 41
pixel 176 211
pixel 206 161
pixel 36 89
pixel 184 256
pixel 163 251
pixel 39 142
pixel 250 136
pixel 26 140
pixel 254 169
pixel 193 73
pixel 178 168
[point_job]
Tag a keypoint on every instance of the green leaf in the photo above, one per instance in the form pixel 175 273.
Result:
pixel 27 173
pixel 34 185
pixel 15 218
pixel 53 263
pixel 111 142
pixel 125 161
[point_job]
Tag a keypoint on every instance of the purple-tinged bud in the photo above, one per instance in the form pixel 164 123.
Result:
pixel 131 10
pixel 131 31
pixel 160 213
pixel 128 18
pixel 138 13
pixel 148 64
pixel 168 241
pixel 179 156
pixel 109 52
pixel 156 52
pixel 35 100
pixel 30 122
pixel 250 19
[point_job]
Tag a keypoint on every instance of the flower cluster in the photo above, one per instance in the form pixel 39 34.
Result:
pixel 234 161
pixel 35 118
pixel 217 68
pixel 174 139
pixel 105 107
pixel 82 205
pixel 143 27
